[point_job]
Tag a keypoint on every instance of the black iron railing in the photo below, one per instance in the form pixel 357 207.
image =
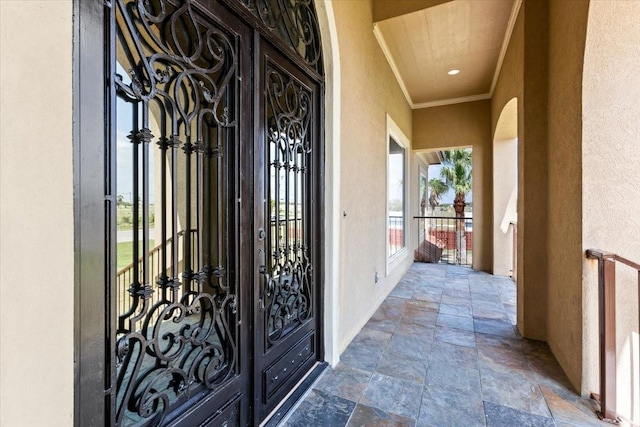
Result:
pixel 607 325
pixel 396 234
pixel 287 231
pixel 125 276
pixel 446 240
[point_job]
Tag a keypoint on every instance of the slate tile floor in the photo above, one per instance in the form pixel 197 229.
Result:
pixel 442 350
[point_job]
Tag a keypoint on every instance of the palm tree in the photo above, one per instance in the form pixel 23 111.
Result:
pixel 438 188
pixel 456 173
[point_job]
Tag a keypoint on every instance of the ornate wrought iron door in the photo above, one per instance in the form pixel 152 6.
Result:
pixel 178 153
pixel 289 153
pixel 215 155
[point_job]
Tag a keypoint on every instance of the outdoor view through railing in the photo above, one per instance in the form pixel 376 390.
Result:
pixel 396 234
pixel 291 229
pixel 124 276
pixel 446 240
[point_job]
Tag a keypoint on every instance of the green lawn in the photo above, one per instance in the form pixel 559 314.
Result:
pixel 124 216
pixel 124 252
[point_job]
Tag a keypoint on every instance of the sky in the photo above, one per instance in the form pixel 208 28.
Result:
pixel 447 198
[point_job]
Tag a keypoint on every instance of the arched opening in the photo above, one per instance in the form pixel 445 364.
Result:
pixel 446 222
pixel 505 191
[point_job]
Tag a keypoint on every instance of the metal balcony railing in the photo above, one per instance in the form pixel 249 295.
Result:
pixel 607 324
pixel 446 240
pixel 396 234
pixel 124 276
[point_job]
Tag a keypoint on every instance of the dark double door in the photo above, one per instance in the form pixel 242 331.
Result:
pixel 216 157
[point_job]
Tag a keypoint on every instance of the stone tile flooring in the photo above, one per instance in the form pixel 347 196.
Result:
pixel 442 350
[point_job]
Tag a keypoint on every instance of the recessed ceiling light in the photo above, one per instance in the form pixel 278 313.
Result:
pixel 453 72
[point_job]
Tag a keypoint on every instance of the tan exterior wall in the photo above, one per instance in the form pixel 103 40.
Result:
pixel 567 30
pixel 385 9
pixel 465 125
pixel 524 75
pixel 36 186
pixel 368 92
pixel 610 181
pixel 532 163
pixel 510 85
pixel 542 68
pixel 332 212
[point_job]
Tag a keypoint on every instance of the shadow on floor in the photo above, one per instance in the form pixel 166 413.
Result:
pixel 442 350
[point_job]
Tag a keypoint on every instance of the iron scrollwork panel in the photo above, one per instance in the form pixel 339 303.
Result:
pixel 176 86
pixel 295 23
pixel 288 273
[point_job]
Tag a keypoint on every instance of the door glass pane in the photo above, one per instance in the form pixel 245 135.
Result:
pixel 176 119
pixel 289 142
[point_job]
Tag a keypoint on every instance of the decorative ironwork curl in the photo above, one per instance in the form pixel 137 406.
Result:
pixel 175 340
pixel 295 23
pixel 289 297
pixel 190 344
pixel 288 281
pixel 177 57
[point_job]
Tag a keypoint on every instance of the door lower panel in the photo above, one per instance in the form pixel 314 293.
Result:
pixel 289 366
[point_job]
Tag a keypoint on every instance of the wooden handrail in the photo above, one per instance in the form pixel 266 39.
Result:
pixel 607 326
pixel 150 254
pixel 597 254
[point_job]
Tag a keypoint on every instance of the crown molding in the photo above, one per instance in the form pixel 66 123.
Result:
pixel 505 42
pixel 450 101
pixel 392 63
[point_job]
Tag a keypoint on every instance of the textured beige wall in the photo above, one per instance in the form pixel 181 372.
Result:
pixel 36 208
pixel 611 176
pixel 532 162
pixel 455 125
pixel 524 75
pixel 332 212
pixel 368 92
pixel 385 9
pixel 465 125
pixel 567 30
pixel 510 85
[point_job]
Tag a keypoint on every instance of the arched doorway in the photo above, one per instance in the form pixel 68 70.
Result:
pixel 215 121
pixel 505 190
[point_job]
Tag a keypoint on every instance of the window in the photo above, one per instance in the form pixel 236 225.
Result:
pixel 397 200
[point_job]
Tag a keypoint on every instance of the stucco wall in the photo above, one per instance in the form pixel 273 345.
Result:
pixel 332 212
pixel 385 9
pixel 369 91
pixel 532 162
pixel 36 207
pixel 611 178
pixel 524 75
pixel 464 125
pixel 510 85
pixel 567 30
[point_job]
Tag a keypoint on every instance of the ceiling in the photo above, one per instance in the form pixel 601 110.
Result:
pixel 424 39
